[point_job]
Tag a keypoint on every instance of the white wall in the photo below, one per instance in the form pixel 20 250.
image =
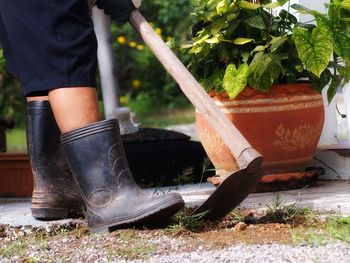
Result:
pixel 331 143
pixel 318 5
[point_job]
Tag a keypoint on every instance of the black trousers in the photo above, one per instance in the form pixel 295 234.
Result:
pixel 48 43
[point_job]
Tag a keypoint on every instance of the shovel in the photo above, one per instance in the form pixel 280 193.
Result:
pixel 236 187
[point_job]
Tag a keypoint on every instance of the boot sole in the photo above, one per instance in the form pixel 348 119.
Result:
pixel 160 212
pixel 49 213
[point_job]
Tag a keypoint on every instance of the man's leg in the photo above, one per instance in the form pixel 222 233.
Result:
pixel 38 98
pixel 74 107
pixel 96 157
pixel 58 57
pixel 48 44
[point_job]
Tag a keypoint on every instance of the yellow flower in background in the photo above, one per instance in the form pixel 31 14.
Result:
pixel 136 84
pixel 132 44
pixel 168 39
pixel 121 39
pixel 158 31
pixel 123 100
pixel 140 47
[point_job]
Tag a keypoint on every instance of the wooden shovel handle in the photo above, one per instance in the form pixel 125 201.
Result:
pixel 235 141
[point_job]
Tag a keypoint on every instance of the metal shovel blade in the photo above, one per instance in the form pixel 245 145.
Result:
pixel 231 192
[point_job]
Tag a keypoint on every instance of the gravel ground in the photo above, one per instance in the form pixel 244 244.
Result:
pixel 151 246
pixel 337 252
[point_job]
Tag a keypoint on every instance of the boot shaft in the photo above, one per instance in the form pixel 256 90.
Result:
pixel 42 134
pixel 47 159
pixel 96 157
pixel 55 194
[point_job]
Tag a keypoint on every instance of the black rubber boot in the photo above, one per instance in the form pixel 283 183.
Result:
pixel 55 195
pixel 97 159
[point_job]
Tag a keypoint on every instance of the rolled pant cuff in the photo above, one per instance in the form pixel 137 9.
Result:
pixel 53 81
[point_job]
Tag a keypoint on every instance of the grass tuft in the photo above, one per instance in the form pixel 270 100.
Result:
pixel 280 212
pixel 184 220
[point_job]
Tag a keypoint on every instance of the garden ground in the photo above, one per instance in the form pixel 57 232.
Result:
pixel 304 225
pixel 307 224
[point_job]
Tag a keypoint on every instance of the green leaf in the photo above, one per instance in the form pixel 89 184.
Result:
pixel 242 40
pixel 235 80
pixel 255 22
pixel 305 25
pixel 288 17
pixel 217 25
pixel 314 48
pixel 214 80
pixel 272 5
pixel 185 46
pixel 301 9
pixel 233 27
pixel 276 4
pixel 245 56
pixel 214 40
pixel 345 70
pixel 233 8
pixel 222 7
pixel 232 17
pixel 264 71
pixel 200 39
pixel 282 2
pixel 332 90
pixel 276 42
pixel 334 27
pixel 247 5
pixel 345 4
pixel 259 48
pixel 320 82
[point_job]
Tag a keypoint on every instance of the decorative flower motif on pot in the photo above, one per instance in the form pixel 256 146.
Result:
pixel 303 136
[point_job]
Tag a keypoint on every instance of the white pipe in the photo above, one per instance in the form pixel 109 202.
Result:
pixel 346 95
pixel 108 74
pixel 109 81
pixel 329 132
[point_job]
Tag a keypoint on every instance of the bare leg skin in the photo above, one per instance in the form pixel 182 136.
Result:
pixel 37 98
pixel 74 108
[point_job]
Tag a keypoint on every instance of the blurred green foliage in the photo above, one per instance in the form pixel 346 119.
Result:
pixel 145 85
pixel 11 99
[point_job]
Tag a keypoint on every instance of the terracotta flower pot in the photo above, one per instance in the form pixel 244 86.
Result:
pixel 284 125
pixel 15 175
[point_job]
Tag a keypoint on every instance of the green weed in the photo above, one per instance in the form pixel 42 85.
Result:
pixel 338 227
pixel 17 247
pixel 137 250
pixel 281 212
pixel 132 246
pixel 235 216
pixel 333 228
pixel 185 220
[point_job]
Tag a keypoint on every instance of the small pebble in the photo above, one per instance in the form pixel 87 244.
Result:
pixel 240 226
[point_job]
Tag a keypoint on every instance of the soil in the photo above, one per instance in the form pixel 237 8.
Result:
pixel 251 234
pixel 73 242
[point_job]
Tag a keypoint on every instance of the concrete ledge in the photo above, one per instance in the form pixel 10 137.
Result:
pixel 325 196
pixel 335 161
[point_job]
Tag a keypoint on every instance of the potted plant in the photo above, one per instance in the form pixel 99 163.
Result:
pixel 266 70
